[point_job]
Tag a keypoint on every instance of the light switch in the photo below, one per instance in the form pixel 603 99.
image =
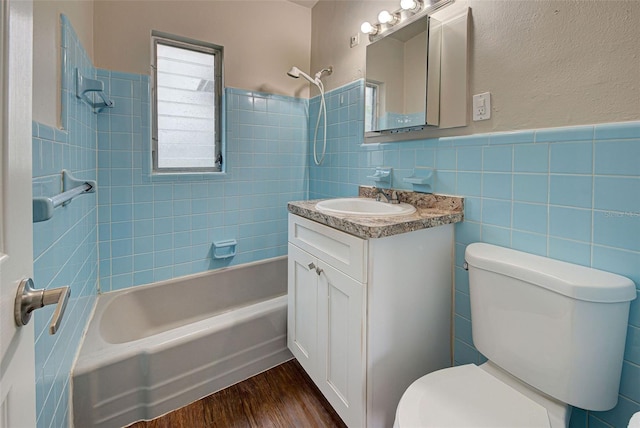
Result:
pixel 482 106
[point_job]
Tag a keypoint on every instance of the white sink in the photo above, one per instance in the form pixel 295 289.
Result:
pixel 364 207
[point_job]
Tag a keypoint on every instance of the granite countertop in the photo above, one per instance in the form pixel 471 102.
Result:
pixel 431 211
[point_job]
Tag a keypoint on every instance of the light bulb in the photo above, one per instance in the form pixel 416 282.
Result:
pixel 386 18
pixel 409 4
pixel 367 28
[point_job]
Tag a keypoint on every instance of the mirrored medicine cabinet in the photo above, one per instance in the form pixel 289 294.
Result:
pixel 416 77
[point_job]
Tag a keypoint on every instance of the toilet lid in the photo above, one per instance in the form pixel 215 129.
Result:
pixel 467 396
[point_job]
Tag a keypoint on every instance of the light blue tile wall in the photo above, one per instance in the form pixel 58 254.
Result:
pixel 339 173
pixel 65 247
pixel 569 193
pixel 153 228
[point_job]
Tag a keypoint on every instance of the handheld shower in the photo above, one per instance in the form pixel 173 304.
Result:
pixel 296 73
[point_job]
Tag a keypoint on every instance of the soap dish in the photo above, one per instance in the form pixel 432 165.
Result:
pixel 381 175
pixel 224 249
pixel 421 179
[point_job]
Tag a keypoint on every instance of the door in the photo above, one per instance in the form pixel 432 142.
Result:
pixel 302 317
pixel 17 368
pixel 341 343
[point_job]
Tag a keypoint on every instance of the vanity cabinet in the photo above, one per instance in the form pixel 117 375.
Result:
pixel 326 280
pixel 366 317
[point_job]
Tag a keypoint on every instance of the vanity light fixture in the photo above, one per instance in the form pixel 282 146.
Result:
pixel 388 18
pixel 410 10
pixel 367 28
pixel 411 5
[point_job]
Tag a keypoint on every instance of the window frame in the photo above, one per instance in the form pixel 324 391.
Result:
pixel 198 46
pixel 374 104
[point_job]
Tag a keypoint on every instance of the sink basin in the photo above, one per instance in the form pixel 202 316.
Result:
pixel 364 207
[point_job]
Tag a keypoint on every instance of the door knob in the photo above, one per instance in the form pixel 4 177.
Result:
pixel 29 299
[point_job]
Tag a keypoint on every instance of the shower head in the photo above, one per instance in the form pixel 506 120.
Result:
pixel 295 72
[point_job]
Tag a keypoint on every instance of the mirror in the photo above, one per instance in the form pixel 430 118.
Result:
pixel 416 77
pixel 401 70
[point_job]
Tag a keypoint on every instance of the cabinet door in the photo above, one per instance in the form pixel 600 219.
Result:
pixel 302 318
pixel 341 344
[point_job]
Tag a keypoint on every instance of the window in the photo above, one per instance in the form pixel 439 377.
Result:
pixel 187 100
pixel 371 107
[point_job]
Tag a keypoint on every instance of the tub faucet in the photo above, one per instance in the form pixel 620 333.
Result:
pixel 391 198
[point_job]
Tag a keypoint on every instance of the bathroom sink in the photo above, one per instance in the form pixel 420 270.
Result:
pixel 364 207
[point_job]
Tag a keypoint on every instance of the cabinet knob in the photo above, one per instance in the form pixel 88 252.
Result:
pixel 313 266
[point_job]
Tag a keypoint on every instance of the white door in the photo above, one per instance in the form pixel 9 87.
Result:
pixel 302 317
pixel 17 368
pixel 341 344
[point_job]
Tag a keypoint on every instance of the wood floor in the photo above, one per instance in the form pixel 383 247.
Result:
pixel 279 398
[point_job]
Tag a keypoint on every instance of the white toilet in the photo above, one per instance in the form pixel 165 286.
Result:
pixel 554 335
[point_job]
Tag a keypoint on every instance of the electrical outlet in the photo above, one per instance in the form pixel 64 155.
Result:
pixel 482 106
pixel 354 40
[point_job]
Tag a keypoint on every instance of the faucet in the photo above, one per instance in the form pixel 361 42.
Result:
pixel 383 197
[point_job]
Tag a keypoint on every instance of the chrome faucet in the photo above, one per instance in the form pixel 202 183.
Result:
pixel 391 198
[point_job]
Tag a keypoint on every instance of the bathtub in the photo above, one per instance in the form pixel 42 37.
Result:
pixel 154 348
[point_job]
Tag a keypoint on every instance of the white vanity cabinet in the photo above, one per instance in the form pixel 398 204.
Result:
pixel 326 323
pixel 367 317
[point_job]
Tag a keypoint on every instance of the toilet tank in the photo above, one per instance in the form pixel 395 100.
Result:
pixel 557 326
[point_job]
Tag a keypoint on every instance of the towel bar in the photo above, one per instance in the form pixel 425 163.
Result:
pixel 43 206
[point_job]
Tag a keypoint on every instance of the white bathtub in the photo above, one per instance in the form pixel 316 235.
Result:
pixel 152 349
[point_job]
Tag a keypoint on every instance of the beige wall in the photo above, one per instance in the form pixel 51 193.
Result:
pixel 46 51
pixel 546 63
pixel 262 39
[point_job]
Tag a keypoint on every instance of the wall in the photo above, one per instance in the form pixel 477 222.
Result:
pixel 173 220
pixel 46 52
pixel 65 250
pixel 546 63
pixel 568 193
pixel 252 62
pixel 159 227
pixel 262 39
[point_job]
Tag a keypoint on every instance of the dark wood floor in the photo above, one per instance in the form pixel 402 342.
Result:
pixel 281 397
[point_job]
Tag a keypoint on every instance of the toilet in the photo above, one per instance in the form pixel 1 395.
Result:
pixel 554 336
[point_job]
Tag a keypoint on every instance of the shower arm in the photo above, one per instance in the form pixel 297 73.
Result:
pixel 328 71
